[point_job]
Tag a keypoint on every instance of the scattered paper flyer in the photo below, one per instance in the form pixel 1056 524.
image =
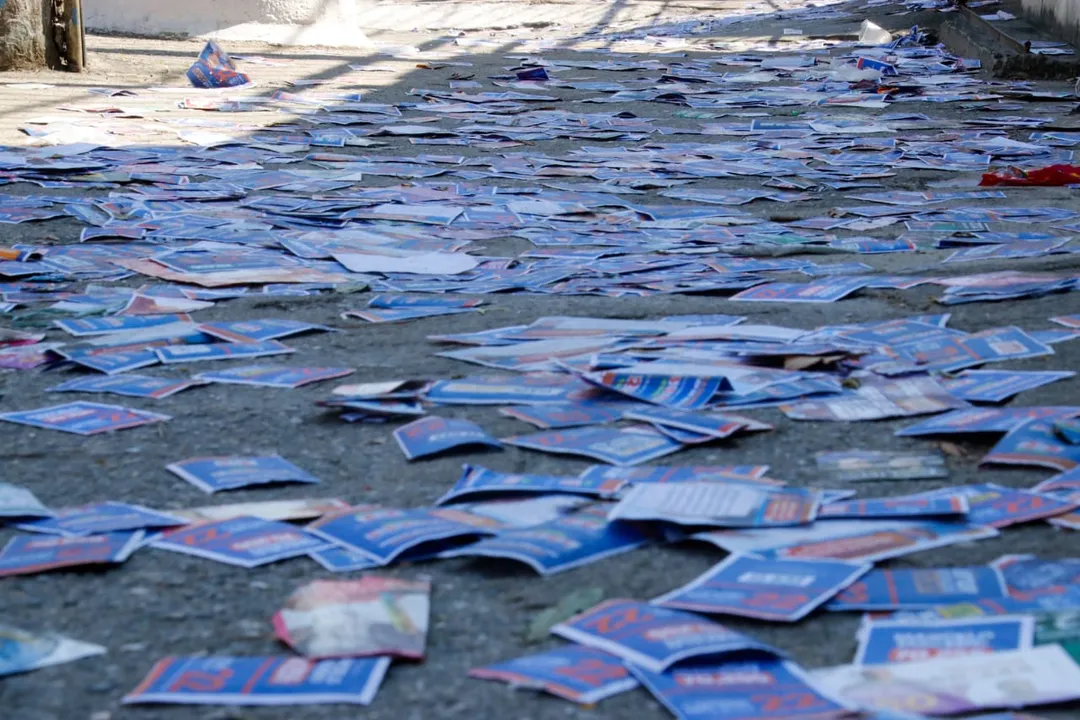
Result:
pixel 285 510
pixel 576 673
pixel 853 540
pixel 618 446
pixel 777 590
pixel 128 385
pixel 215 69
pixel 18 502
pixel 730 504
pixel 916 506
pixel 22 650
pixel 884 642
pixel 908 588
pixel 388 534
pixel 101 518
pixel 30 554
pixel 212 474
pixel 338 559
pixel 243 541
pixel 769 689
pixel 576 538
pixel 84 418
pixel 433 435
pixel 967 683
pixel 654 637
pixel 275 376
pixel 480 483
pixel 220 351
pixel 260 681
pixel 879 399
pixel 863 465
pixel 999 507
pixel 680 473
pixel 357 618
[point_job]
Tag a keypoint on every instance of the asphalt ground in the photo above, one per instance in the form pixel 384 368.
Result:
pixel 161 603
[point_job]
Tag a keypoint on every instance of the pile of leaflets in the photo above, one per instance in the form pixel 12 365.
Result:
pixel 222 216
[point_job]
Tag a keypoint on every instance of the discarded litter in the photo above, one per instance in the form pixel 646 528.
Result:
pixel 357 618
pixel 745 193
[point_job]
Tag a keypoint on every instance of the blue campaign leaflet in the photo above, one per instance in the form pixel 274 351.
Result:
pixel 375 411
pixel 1070 321
pixel 84 418
pixel 423 301
pixel 279 680
pixel 215 69
pixel 433 435
pixel 25 651
pixel 1061 599
pixel 388 534
pixel 1053 336
pixel 106 517
pixel 574 539
pixel 1036 442
pixel 242 541
pixel 528 389
pixel 681 473
pixel 960 351
pixel 1066 481
pixel 274 375
pixel 680 435
pixel 390 315
pixel 897 507
pixel 1030 574
pixel 984 420
pixel 565 415
pixel 1006 343
pixel 994 506
pixel 715 426
pixel 998 385
pixel 687 392
pixel 779 393
pixel 912 588
pixel 220 351
pixel 1068 430
pixel 777 590
pixel 579 674
pixel 142 386
pixel 338 559
pixel 18 502
pixel 28 554
pixel 862 465
pixel 479 483
pixel 821 291
pixel 525 512
pixel 617 446
pixel 946 353
pixel 653 637
pixel 852 540
pixel 720 504
pixel 763 690
pixel 258 331
pixel 211 474
pixel 885 641
pixel 81 327
pixel 900 332
pixel 110 363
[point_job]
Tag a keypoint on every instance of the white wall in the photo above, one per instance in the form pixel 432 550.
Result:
pixel 328 22
pixel 1062 15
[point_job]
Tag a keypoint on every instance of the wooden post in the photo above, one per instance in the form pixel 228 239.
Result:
pixel 73 25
